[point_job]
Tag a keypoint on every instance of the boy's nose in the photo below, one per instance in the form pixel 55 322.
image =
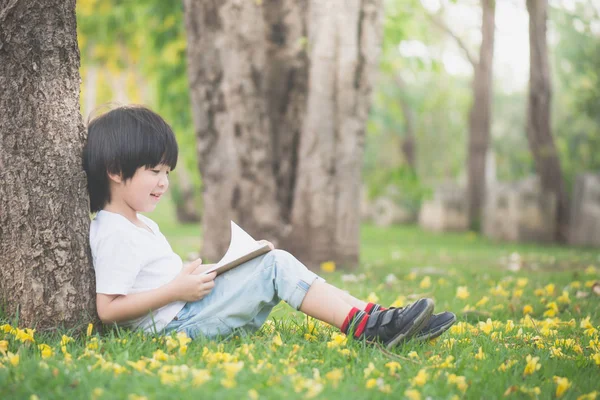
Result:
pixel 164 182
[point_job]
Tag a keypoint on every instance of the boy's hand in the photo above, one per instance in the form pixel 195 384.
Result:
pixel 267 242
pixel 202 267
pixel 190 285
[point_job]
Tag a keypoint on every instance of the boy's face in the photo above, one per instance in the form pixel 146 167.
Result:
pixel 144 190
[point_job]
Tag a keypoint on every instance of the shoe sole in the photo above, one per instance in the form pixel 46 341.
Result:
pixel 415 325
pixel 436 332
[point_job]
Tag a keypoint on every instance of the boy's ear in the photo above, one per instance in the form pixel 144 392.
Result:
pixel 117 178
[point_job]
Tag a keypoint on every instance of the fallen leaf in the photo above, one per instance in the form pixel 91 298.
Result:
pixel 511 390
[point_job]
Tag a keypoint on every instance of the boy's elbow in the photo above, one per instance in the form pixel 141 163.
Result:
pixel 104 309
pixel 103 315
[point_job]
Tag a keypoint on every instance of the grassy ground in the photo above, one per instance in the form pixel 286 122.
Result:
pixel 495 350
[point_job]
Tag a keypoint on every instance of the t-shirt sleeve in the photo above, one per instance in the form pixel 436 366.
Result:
pixel 116 264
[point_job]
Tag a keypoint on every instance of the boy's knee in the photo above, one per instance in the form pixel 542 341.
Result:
pixel 279 258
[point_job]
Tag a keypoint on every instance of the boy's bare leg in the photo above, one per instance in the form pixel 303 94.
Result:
pixel 324 302
pixel 348 298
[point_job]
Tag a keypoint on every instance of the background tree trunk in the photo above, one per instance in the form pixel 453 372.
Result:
pixel 409 142
pixel 277 155
pixel 46 274
pixel 539 134
pixel 480 115
pixel 184 196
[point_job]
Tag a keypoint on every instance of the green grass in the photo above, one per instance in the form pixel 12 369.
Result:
pixel 119 364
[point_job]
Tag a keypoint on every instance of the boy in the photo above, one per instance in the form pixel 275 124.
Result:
pixel 141 283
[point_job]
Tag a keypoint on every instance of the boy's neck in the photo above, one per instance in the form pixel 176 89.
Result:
pixel 123 210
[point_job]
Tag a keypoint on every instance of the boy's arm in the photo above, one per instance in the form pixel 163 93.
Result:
pixel 185 287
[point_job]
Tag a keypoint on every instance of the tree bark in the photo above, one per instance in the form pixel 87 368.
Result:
pixel 280 95
pixel 539 135
pixel 46 275
pixel 480 115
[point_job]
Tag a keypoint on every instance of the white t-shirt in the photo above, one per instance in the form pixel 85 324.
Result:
pixel 129 259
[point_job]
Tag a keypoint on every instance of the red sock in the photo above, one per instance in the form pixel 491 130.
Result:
pixel 373 307
pixel 355 320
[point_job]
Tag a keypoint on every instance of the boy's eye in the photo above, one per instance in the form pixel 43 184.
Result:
pixel 156 171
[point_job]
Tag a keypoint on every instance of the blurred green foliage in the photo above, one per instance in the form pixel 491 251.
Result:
pixel 145 42
pixel 145 38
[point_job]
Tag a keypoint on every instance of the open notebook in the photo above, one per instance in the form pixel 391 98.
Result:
pixel 242 248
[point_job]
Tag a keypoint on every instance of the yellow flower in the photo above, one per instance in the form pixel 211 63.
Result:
pixel 45 350
pixel 134 396
pixel 200 376
pixel 277 340
pixel 65 340
pixel 459 381
pixel 328 266
pixel 371 383
pixel 13 359
pixel 482 302
pixel 562 384
pixel 506 365
pixel 549 289
pixel 591 270
pixel 24 336
pixel 96 393
pixel 527 309
pixel 372 298
pixel 522 282
pixel 337 340
pixel 89 329
pixel 462 292
pixel 552 309
pixel 335 376
pixel 499 291
pixel 564 298
pixel 412 394
pixel 367 371
pixel 413 354
pixel 393 367
pixel 160 355
pixel 487 326
pixel 253 394
pixel 421 378
pixel 480 354
pixel 93 344
pixel 3 346
pixel 596 358
pixel 532 365
pixel 588 396
pixel 425 283
pixel 399 302
pixel 510 325
pixel 411 277
pixel 556 352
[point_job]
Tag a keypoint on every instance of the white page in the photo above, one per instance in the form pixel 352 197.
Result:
pixel 241 244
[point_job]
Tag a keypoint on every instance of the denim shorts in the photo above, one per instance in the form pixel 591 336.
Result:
pixel 243 297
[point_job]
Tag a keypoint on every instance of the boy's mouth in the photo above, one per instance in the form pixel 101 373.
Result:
pixel 156 196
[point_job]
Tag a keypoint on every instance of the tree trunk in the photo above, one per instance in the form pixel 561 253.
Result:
pixel 480 115
pixel 408 143
pixel 539 135
pixel 46 275
pixel 184 197
pixel 277 155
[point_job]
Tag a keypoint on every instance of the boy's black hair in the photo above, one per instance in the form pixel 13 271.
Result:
pixel 121 141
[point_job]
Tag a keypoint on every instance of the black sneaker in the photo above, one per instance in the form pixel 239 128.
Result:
pixel 397 325
pixel 438 324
